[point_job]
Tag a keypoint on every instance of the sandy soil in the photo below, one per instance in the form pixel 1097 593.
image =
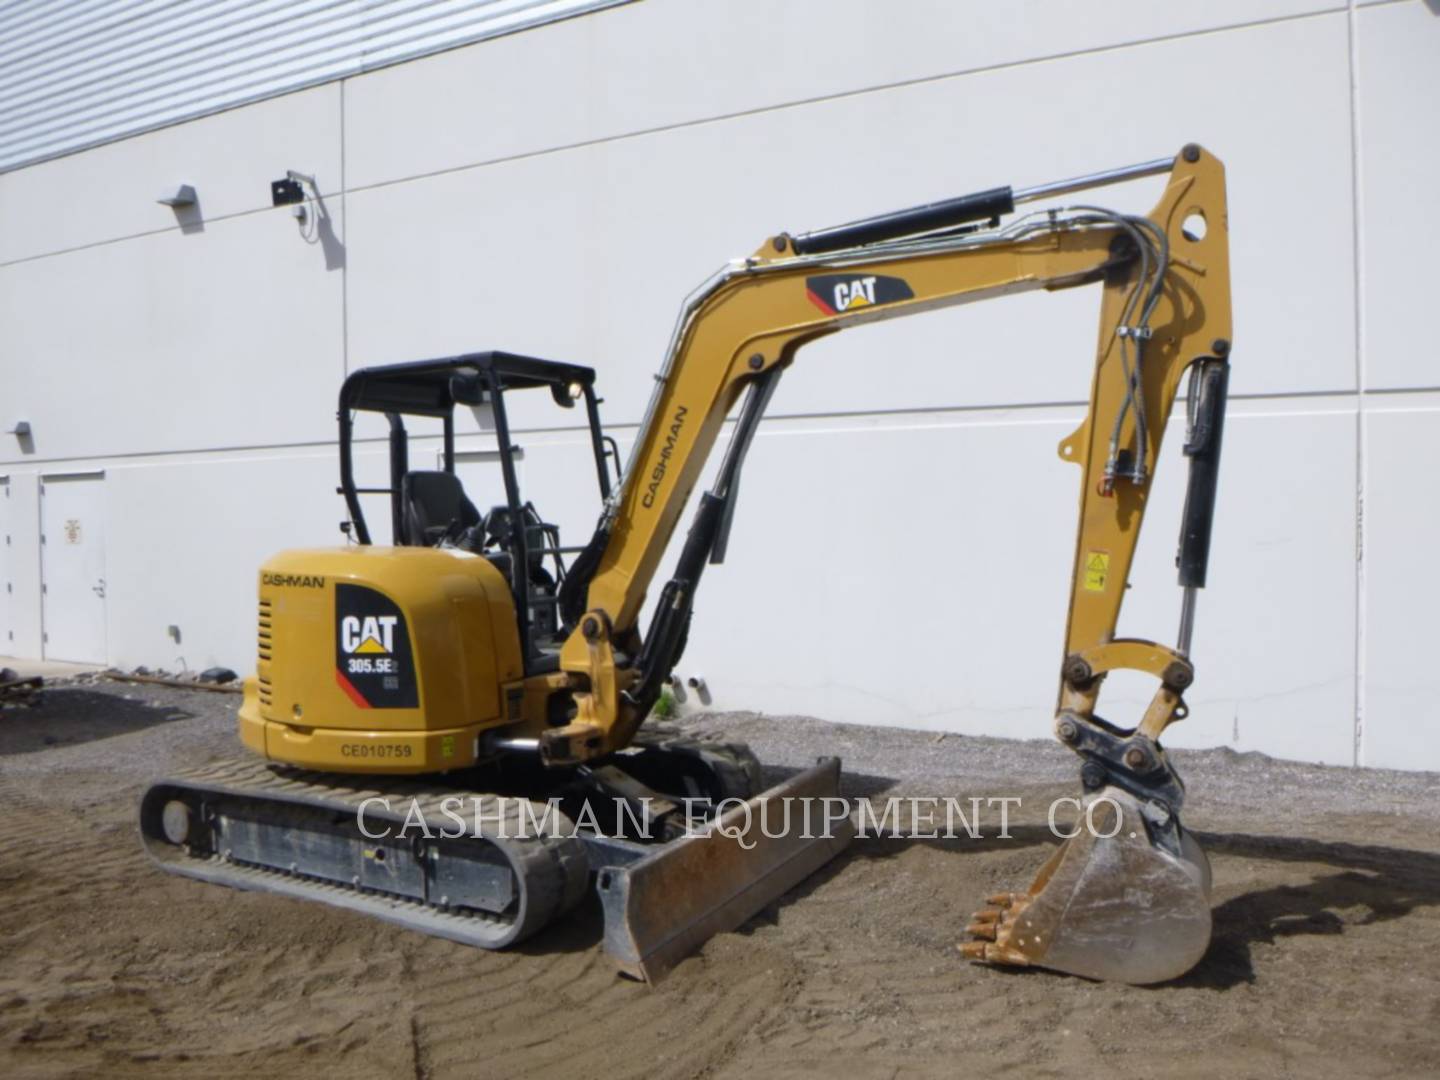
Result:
pixel 1327 886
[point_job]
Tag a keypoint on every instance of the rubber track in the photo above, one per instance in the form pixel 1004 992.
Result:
pixel 553 870
pixel 734 764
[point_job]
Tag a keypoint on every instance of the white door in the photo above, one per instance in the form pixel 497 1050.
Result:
pixel 72 558
pixel 7 570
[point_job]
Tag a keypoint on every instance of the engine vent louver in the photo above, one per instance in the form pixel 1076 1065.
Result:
pixel 265 650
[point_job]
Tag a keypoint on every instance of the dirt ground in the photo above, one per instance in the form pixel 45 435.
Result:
pixel 1327 883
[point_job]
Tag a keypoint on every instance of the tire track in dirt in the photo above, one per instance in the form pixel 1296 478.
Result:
pixel 566 1009
pixel 154 948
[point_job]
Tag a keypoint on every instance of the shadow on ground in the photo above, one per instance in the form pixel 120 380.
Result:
pixel 67 716
pixel 578 931
pixel 1372 884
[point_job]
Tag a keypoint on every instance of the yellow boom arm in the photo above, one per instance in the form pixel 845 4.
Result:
pixel 1165 307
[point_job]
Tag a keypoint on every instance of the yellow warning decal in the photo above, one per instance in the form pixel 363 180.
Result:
pixel 1097 570
pixel 447 746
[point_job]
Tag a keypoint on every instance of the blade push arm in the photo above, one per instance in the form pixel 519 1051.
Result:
pixel 1165 307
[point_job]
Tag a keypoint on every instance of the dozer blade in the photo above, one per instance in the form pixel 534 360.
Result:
pixel 664 906
pixel 1120 909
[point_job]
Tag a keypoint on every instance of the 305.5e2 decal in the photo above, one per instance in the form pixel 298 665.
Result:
pixel 373 663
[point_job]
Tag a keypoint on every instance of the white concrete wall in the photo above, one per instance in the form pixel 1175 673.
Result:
pixel 901 548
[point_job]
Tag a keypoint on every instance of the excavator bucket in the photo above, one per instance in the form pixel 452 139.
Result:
pixel 1110 904
pixel 664 906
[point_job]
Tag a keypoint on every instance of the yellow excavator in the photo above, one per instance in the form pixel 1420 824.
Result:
pixel 478 662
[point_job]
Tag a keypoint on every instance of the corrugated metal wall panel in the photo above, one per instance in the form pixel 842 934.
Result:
pixel 75 74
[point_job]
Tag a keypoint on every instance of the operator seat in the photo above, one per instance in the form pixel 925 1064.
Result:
pixel 436 509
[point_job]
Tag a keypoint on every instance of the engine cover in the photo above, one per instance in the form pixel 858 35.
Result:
pixel 382 660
